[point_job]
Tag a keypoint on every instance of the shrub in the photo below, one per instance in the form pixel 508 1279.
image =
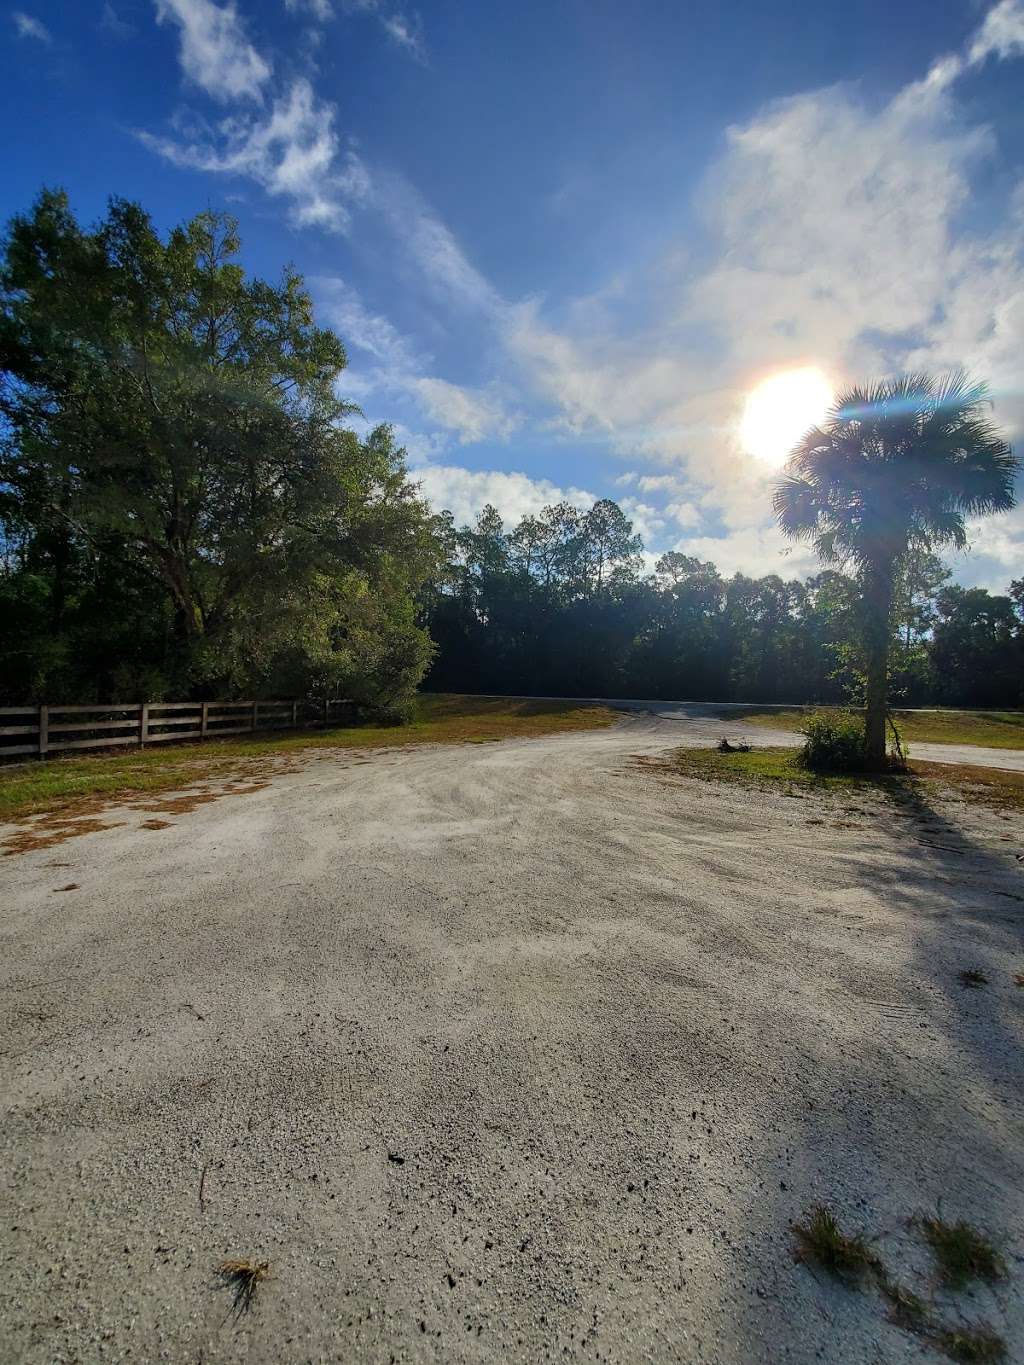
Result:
pixel 833 740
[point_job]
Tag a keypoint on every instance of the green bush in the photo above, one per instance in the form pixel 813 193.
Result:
pixel 833 740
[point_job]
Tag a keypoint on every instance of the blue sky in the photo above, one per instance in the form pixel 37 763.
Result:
pixel 564 242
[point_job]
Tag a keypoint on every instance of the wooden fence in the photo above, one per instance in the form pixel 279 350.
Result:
pixel 43 730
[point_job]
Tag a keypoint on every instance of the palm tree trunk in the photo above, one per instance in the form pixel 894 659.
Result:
pixel 878 595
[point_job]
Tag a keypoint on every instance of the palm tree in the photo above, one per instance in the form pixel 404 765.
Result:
pixel 895 468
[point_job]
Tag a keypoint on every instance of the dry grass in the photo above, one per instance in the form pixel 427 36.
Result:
pixel 243 1276
pixel 983 786
pixel 78 787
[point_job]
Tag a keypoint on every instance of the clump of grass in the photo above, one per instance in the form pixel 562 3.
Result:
pixel 906 1310
pixel 243 1276
pixel 820 1241
pixel 973 980
pixel 962 1252
pixel 971 1345
pixel 833 742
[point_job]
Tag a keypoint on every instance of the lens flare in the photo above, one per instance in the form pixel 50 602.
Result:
pixel 780 410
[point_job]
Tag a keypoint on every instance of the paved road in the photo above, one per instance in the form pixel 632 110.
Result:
pixel 511 1052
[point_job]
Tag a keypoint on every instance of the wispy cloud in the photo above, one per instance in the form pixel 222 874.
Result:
pixel 216 54
pixel 397 369
pixel 836 237
pixel 112 23
pixel 28 26
pixel 475 414
pixel 293 152
pixel 321 10
pixel 405 30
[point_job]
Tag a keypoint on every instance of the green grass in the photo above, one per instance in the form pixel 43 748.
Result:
pixel 962 1253
pixel 777 770
pixel 971 1345
pixel 821 1242
pixel 66 783
pixel 768 769
pixel 993 729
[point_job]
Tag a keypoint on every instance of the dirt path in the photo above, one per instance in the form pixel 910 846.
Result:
pixel 506 1052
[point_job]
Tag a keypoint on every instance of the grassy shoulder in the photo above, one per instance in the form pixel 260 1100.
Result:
pixel 66 783
pixel 991 729
pixel 778 770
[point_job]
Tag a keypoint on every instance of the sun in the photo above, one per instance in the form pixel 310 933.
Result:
pixel 780 410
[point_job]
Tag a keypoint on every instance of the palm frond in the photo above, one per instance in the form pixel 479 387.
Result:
pixel 898 461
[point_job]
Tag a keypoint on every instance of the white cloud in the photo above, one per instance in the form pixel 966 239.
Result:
pixel 321 10
pixel 647 521
pixel 836 238
pixel 397 368
pixel 404 30
pixel 474 414
pixel 431 249
pixel 30 27
pixel 369 332
pixel 686 515
pixel 112 23
pixel 464 492
pixel 1001 35
pixel 294 152
pixel 215 53
pixel 753 550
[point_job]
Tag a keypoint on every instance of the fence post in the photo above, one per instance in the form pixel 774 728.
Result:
pixel 204 720
pixel 255 709
pixel 295 714
pixel 143 723
pixel 327 713
pixel 44 730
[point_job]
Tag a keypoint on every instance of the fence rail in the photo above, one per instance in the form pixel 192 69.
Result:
pixel 43 730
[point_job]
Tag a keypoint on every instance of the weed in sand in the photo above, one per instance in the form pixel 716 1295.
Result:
pixel 972 980
pixel 906 1310
pixel 821 1242
pixel 962 1252
pixel 243 1275
pixel 971 1345
pixel 1018 980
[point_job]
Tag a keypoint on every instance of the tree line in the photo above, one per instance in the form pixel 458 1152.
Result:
pixel 183 510
pixel 560 604
pixel 186 512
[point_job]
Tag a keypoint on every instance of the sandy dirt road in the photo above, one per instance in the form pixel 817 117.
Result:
pixel 505 1052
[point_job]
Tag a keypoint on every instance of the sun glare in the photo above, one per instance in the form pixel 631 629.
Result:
pixel 780 410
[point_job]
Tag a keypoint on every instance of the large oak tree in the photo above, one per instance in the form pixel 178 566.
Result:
pixel 165 412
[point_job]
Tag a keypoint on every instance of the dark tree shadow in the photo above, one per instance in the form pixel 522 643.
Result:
pixel 931 1119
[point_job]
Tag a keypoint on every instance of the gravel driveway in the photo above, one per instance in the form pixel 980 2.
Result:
pixel 503 1052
